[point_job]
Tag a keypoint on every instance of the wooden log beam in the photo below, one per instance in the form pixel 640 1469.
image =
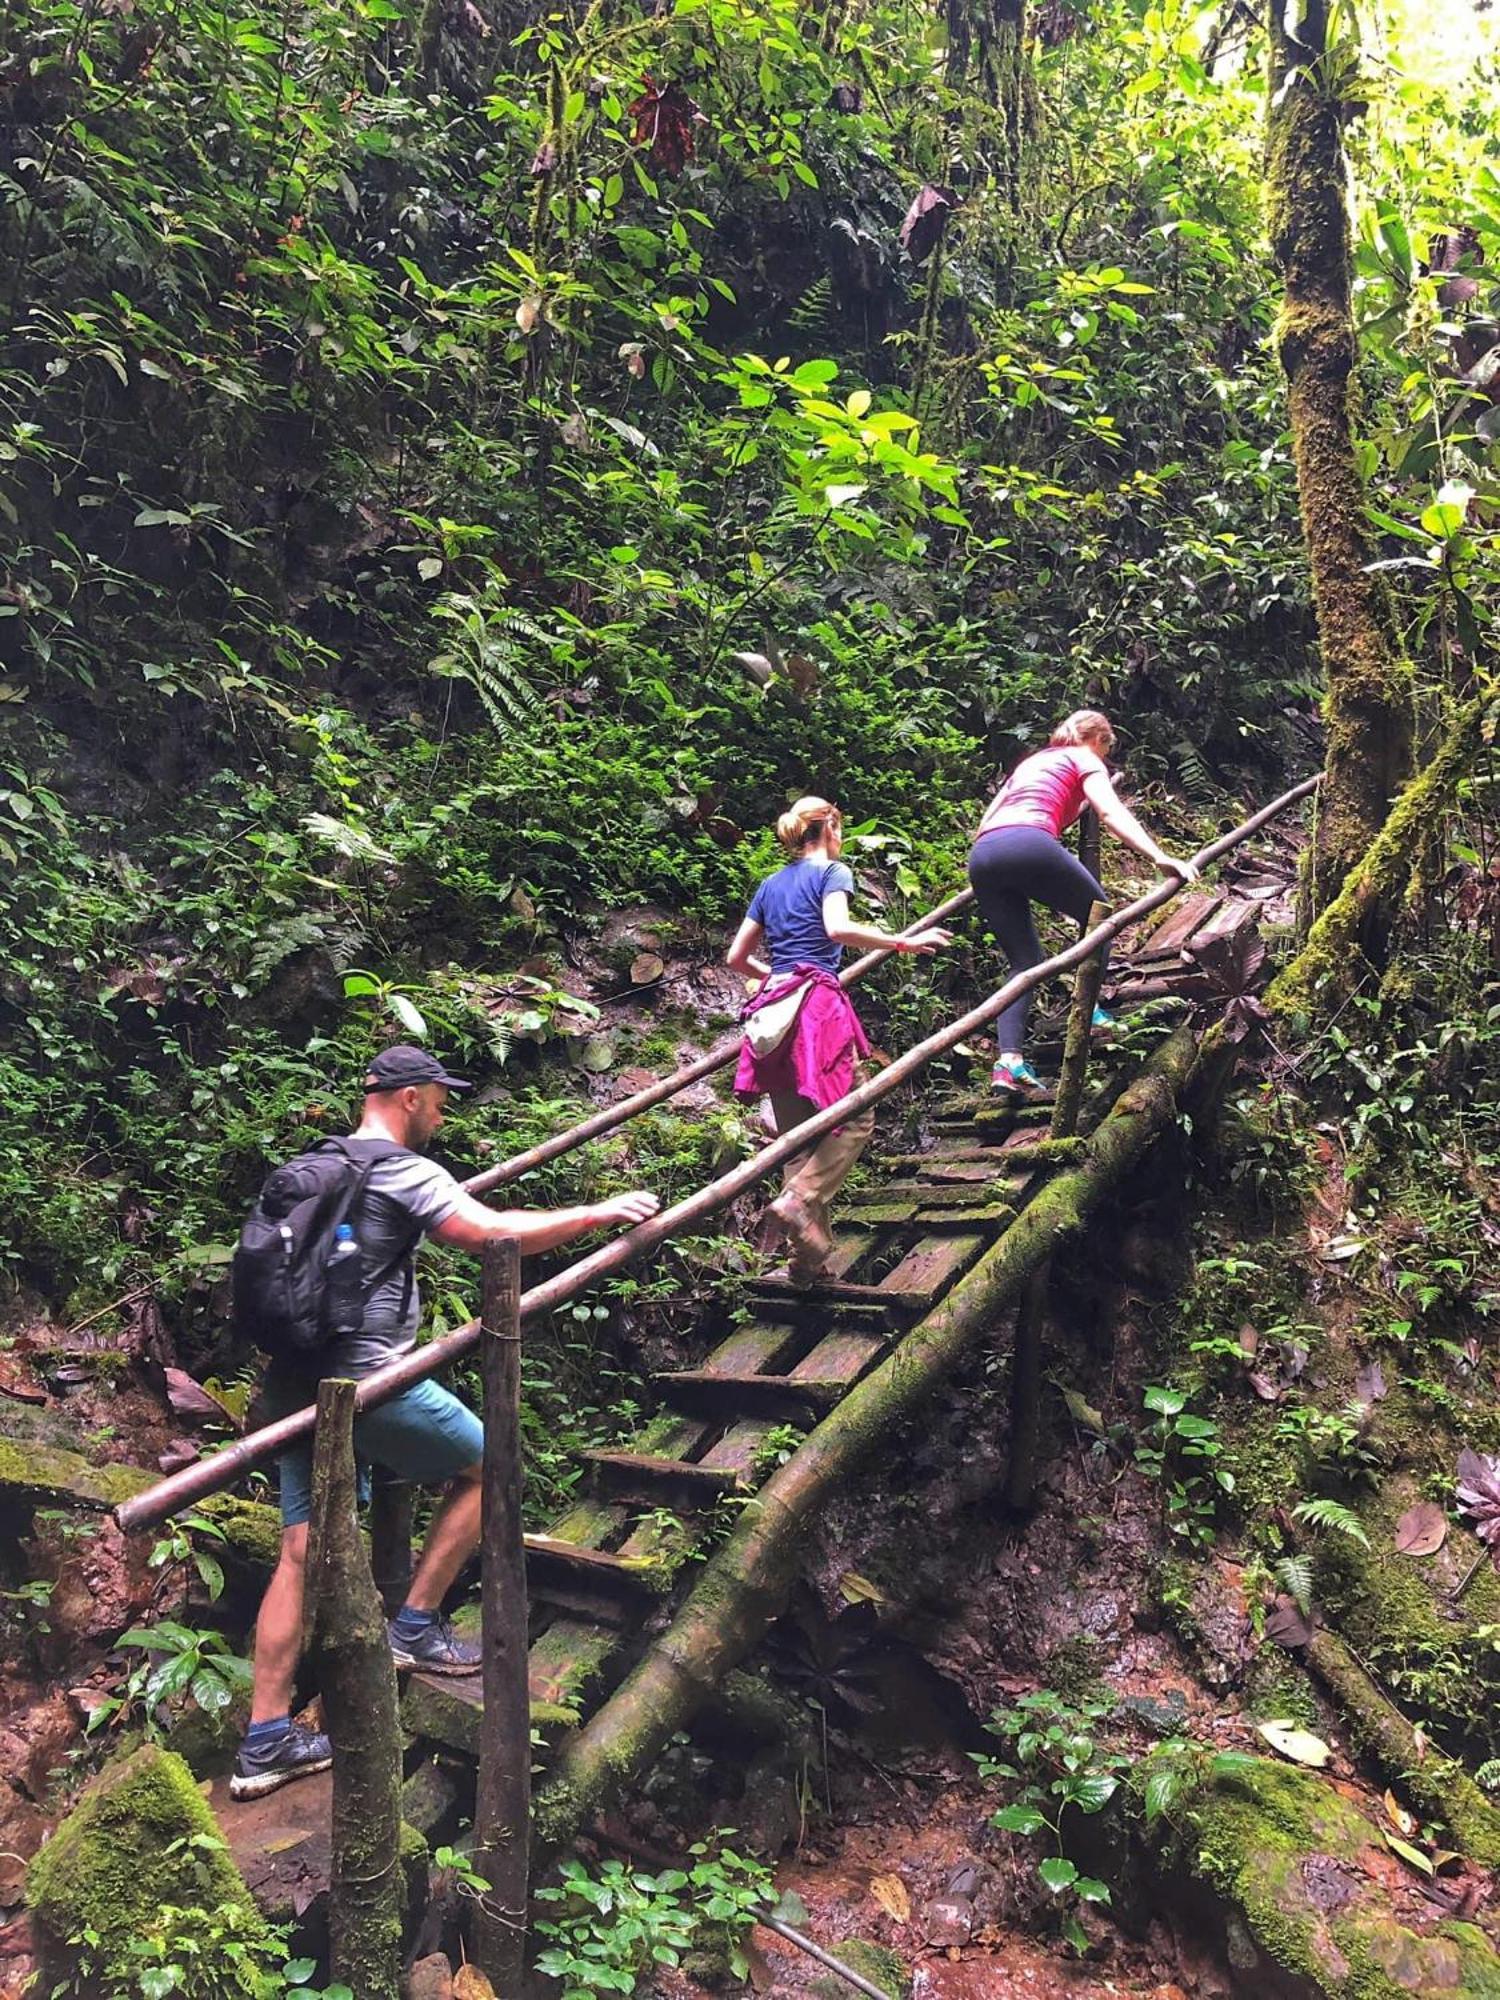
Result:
pixel 351 1654
pixel 502 1815
pixel 1075 1063
pixel 746 1584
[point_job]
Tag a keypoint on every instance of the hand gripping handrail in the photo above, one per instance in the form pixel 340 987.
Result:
pixel 211 1475
pixel 694 1072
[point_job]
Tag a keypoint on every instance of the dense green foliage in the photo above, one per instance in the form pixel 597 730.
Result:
pixel 435 519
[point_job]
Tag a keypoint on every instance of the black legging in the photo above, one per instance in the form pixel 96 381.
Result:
pixel 1009 869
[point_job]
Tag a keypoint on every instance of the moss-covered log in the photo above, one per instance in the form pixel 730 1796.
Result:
pixel 747 1583
pixel 1439 1787
pixel 1331 960
pixel 1368 703
pixel 352 1657
pixel 53 1474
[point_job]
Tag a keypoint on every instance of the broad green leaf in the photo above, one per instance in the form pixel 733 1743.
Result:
pixel 1058 1872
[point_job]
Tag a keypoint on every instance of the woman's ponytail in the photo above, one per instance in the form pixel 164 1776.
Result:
pixel 806 822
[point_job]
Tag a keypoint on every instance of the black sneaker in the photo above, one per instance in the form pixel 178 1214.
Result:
pixel 264 1767
pixel 437 1649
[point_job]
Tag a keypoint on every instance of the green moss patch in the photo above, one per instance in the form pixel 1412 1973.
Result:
pixel 1286 1852
pixel 116 1860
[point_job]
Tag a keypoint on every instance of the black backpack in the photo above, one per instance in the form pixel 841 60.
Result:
pixel 278 1277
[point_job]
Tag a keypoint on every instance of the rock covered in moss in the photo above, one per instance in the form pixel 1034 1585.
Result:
pixel 118 1858
pixel 876 1962
pixel 1284 1851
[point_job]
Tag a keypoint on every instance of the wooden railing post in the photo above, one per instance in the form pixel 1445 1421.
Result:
pixel 502 1817
pixel 351 1653
pixel 390 1537
pixel 1075 1062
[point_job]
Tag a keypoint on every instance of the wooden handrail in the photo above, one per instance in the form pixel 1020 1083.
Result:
pixel 195 1482
pixel 693 1072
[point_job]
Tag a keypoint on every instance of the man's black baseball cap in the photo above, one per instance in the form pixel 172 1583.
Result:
pixel 402 1065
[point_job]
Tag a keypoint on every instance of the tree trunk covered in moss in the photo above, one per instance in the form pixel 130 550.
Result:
pixel 1368 680
pixel 1331 960
pixel 352 1657
pixel 987 40
pixel 747 1582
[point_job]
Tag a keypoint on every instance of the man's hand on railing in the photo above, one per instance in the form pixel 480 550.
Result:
pixel 627 1209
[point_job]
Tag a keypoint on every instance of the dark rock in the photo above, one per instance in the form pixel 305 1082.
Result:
pixel 947 1920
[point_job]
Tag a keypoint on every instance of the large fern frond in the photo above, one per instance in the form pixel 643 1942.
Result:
pixel 492 651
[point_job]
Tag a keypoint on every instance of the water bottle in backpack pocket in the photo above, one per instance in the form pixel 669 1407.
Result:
pixel 344 1283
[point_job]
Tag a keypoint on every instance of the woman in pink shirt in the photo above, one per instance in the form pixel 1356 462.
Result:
pixel 1018 858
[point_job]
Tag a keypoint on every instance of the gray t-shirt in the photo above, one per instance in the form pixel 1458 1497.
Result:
pixel 405 1199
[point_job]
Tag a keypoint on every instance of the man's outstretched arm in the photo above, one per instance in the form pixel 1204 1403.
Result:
pixel 473 1224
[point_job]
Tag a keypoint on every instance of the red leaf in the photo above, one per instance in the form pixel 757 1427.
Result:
pixel 664 117
pixel 925 221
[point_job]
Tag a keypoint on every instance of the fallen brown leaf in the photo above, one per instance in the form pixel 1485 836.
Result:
pixel 1422 1529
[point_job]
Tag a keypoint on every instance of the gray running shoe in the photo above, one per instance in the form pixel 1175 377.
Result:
pixel 265 1767
pixel 437 1649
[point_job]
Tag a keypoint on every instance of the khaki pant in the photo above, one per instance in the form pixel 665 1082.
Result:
pixel 817 1177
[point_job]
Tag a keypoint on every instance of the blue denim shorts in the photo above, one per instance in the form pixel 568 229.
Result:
pixel 425 1435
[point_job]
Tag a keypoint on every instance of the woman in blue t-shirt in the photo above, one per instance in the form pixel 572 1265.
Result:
pixel 792 940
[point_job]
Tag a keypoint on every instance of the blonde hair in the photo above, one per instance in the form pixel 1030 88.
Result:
pixel 806 822
pixel 1084 727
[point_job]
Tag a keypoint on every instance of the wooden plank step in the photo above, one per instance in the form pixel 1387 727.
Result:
pixel 446 1709
pixel 954 1194
pixel 842 1357
pixel 943 1173
pixel 836 1293
pixel 548 1557
pixel 739 1447
pixel 776 1396
pixel 817 1305
pixel 991 1219
pixel 564 1666
pixel 888 1214
pixel 647 1477
pixel 1181 920
pixel 929 1268
pixel 1232 917
pixel 759 1345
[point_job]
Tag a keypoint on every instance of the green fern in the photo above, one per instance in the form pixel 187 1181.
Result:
pixel 276 943
pixel 1197 779
pixel 1295 1575
pixel 490 652
pixel 813 311
pixel 1330 1515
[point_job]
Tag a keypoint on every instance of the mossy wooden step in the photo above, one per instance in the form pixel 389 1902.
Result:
pixel 649 1478
pixel 447 1708
pixel 883 1213
pixel 930 1268
pixel 599 1583
pixel 833 1292
pixel 990 1218
pixel 784 1396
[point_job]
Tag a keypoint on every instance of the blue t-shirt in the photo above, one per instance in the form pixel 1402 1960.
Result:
pixel 788 906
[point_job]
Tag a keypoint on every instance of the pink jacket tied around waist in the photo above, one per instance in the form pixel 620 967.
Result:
pixel 817 1058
